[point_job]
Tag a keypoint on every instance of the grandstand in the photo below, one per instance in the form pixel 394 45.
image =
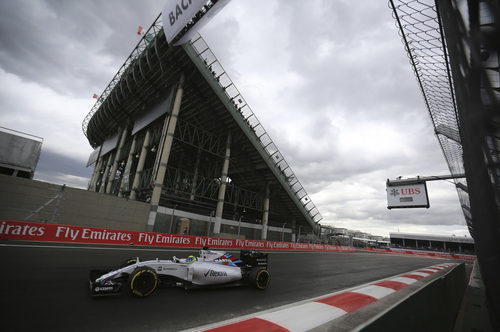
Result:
pixel 458 244
pixel 172 129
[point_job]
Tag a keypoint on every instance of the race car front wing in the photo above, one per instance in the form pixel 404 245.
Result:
pixel 103 289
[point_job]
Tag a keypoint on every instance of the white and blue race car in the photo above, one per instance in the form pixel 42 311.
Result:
pixel 210 269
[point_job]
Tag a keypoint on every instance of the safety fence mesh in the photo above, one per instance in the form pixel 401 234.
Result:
pixel 421 33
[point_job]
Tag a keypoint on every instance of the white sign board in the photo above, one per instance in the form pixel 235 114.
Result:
pixel 177 13
pixel 407 196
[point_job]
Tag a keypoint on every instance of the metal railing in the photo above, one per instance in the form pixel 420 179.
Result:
pixel 148 37
pixel 239 103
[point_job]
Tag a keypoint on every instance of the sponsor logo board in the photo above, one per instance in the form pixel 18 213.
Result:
pixel 407 196
pixel 43 232
pixel 179 14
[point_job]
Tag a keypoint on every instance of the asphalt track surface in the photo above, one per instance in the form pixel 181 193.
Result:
pixel 45 287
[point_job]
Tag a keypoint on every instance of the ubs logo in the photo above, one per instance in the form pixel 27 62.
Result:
pixel 394 192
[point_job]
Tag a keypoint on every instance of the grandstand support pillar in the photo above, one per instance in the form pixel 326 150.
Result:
pixel 116 161
pixel 106 171
pixel 101 164
pixel 265 214
pixel 293 228
pixel 235 204
pixel 194 181
pixel 416 244
pixel 222 187
pixel 165 153
pixel 96 173
pixel 140 165
pixel 92 177
pixel 128 165
pixel 177 179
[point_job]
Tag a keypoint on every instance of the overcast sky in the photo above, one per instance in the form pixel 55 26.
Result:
pixel 329 80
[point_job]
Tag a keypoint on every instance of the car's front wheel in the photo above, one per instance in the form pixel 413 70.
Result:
pixel 143 281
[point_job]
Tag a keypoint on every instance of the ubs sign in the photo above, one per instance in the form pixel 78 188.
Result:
pixel 407 195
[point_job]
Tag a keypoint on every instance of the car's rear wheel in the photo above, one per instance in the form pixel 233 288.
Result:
pixel 259 278
pixel 143 281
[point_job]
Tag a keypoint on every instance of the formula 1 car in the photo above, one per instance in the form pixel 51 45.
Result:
pixel 210 269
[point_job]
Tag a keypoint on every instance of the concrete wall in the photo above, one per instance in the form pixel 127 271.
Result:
pixel 433 308
pixel 19 197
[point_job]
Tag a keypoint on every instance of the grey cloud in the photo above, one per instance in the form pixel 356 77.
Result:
pixel 329 165
pixel 365 210
pixel 222 37
pixel 72 47
pixel 51 161
pixel 57 168
pixel 360 66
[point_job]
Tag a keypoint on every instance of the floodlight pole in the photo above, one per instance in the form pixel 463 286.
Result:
pixel 420 179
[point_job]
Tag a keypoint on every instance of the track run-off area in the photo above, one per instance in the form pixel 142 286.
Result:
pixel 45 287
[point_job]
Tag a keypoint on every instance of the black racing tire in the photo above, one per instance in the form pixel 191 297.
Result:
pixel 259 278
pixel 128 261
pixel 143 281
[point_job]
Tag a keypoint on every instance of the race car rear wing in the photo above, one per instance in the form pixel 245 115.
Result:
pixel 254 258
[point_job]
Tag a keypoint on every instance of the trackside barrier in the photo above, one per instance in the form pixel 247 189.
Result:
pixel 32 231
pixel 369 307
pixel 424 253
pixel 433 307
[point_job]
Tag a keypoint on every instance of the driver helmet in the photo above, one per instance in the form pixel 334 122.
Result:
pixel 191 259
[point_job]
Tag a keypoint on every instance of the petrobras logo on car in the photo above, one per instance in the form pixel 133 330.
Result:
pixel 103 289
pixel 212 273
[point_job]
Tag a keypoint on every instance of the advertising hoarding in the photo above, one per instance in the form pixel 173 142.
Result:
pixel 42 232
pixel 178 13
pixel 407 195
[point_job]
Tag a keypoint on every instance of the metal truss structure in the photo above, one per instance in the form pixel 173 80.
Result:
pixel 126 75
pixel 454 50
